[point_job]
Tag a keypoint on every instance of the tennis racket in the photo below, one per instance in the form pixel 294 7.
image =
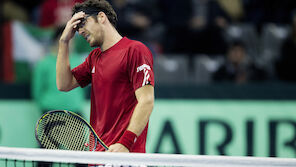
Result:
pixel 66 130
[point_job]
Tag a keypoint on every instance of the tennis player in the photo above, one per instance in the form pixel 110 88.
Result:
pixel 120 71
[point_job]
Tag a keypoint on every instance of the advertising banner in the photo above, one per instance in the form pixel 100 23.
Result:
pixel 238 128
pixel 204 127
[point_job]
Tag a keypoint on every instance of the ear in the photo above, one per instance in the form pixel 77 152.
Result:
pixel 101 17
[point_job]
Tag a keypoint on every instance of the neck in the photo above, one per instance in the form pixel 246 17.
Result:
pixel 111 37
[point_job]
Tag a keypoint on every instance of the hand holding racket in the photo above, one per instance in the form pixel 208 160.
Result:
pixel 61 129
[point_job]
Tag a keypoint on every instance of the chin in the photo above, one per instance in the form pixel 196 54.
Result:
pixel 91 45
pixel 94 43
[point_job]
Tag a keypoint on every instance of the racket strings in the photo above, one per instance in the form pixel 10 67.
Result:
pixel 74 129
pixel 78 129
pixel 45 141
pixel 65 131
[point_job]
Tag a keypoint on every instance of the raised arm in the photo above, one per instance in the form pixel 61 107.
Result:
pixel 64 77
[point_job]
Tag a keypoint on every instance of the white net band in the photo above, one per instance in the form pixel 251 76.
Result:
pixel 29 154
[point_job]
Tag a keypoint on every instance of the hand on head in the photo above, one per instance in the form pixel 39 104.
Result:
pixel 72 26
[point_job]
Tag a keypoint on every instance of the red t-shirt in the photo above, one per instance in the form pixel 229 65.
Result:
pixel 115 75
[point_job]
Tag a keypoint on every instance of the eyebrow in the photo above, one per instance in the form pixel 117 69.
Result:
pixel 83 21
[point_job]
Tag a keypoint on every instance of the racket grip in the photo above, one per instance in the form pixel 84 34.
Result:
pixel 128 139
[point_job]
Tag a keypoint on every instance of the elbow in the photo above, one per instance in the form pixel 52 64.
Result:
pixel 66 86
pixel 63 88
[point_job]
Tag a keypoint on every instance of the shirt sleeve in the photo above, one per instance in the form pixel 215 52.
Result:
pixel 82 72
pixel 140 66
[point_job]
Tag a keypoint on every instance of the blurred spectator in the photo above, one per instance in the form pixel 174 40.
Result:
pixel 220 14
pixel 6 55
pixel 138 19
pixel 21 10
pixel 266 11
pixel 176 15
pixel 197 26
pixel 44 90
pixel 13 11
pixel 207 39
pixel 255 12
pixel 238 67
pixel 54 13
pixel 133 20
pixel 286 64
pixel 233 9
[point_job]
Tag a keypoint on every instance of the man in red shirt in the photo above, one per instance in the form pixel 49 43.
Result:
pixel 120 71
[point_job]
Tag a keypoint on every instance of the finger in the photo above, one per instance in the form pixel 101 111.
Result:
pixel 110 149
pixel 74 24
pixel 75 18
pixel 78 15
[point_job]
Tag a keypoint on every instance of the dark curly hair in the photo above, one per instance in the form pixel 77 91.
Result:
pixel 91 7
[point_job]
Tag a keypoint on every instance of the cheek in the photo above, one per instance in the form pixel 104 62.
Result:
pixel 98 34
pixel 89 27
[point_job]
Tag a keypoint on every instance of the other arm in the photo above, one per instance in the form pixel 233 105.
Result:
pixel 140 116
pixel 143 110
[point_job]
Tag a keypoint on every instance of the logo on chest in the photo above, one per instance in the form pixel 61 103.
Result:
pixel 93 70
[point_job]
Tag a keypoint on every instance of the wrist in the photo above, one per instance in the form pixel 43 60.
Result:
pixel 128 139
pixel 63 41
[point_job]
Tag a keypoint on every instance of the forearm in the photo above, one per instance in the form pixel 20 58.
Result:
pixel 137 124
pixel 63 70
pixel 142 112
pixel 140 117
pixel 65 80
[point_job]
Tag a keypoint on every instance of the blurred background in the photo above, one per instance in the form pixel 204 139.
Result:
pixel 224 70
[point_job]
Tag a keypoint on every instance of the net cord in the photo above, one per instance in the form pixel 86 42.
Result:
pixel 82 157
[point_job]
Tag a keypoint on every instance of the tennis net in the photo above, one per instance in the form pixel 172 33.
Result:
pixel 26 157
